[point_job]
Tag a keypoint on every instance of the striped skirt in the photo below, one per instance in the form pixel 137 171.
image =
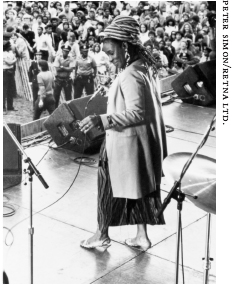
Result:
pixel 121 211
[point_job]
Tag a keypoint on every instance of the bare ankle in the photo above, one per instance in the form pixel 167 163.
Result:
pixel 102 235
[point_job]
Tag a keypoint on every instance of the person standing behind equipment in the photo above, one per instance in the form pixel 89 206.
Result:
pixel 32 74
pixel 9 61
pixel 85 72
pixel 64 65
pixel 45 100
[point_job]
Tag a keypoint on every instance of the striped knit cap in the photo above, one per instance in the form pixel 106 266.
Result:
pixel 123 28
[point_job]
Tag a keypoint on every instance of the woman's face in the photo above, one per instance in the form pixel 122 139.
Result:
pixel 161 45
pixel 156 21
pixel 100 12
pixel 165 37
pixel 18 20
pixel 115 52
pixel 66 26
pixel 91 43
pixel 149 48
pixel 38 57
pixel 143 29
pixel 10 15
pixel 178 37
pixel 97 48
pixel 186 28
pixel 183 46
pixel 71 40
pixel 168 43
pixel 151 36
pixel 173 35
pixel 47 14
pixel 100 28
pixel 202 7
pixel 45 20
pixel 35 15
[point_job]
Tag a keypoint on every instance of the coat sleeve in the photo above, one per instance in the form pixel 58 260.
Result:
pixel 133 88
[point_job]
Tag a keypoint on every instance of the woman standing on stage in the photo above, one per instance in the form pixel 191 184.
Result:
pixel 130 164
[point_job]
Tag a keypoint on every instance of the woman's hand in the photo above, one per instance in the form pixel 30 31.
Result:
pixel 90 122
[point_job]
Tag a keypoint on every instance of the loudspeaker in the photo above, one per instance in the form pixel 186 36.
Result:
pixel 62 124
pixel 200 81
pixel 12 159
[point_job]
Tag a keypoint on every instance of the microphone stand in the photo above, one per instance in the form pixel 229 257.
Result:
pixel 178 195
pixel 31 170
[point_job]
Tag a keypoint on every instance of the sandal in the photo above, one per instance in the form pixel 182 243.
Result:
pixel 101 243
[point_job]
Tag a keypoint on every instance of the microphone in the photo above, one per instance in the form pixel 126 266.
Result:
pixel 101 88
pixel 96 93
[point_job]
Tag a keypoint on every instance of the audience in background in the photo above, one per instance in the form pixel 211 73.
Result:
pixel 69 34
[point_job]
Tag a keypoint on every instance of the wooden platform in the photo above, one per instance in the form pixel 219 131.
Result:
pixel 59 229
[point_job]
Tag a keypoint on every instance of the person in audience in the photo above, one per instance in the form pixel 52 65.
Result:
pixel 43 43
pixel 85 73
pixel 32 74
pixel 144 33
pixel 45 100
pixel 205 56
pixel 30 37
pixel 185 56
pixel 170 26
pixel 64 65
pixel 67 12
pixel 102 62
pixel 19 46
pixel 177 42
pixel 152 40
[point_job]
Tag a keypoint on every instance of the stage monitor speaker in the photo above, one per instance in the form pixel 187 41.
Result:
pixel 62 124
pixel 198 81
pixel 12 159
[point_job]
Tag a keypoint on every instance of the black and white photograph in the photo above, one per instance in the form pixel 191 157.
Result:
pixel 110 116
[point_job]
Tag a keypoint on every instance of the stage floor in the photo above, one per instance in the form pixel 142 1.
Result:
pixel 58 258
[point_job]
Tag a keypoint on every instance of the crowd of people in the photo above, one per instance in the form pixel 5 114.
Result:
pixel 67 38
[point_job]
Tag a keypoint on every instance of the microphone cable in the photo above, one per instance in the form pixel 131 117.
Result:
pixel 80 163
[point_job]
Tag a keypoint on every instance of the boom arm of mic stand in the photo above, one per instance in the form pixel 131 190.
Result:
pixel 32 168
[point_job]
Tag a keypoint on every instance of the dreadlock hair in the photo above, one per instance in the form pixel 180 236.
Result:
pixel 135 52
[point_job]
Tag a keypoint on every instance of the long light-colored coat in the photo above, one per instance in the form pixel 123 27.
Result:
pixel 135 134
